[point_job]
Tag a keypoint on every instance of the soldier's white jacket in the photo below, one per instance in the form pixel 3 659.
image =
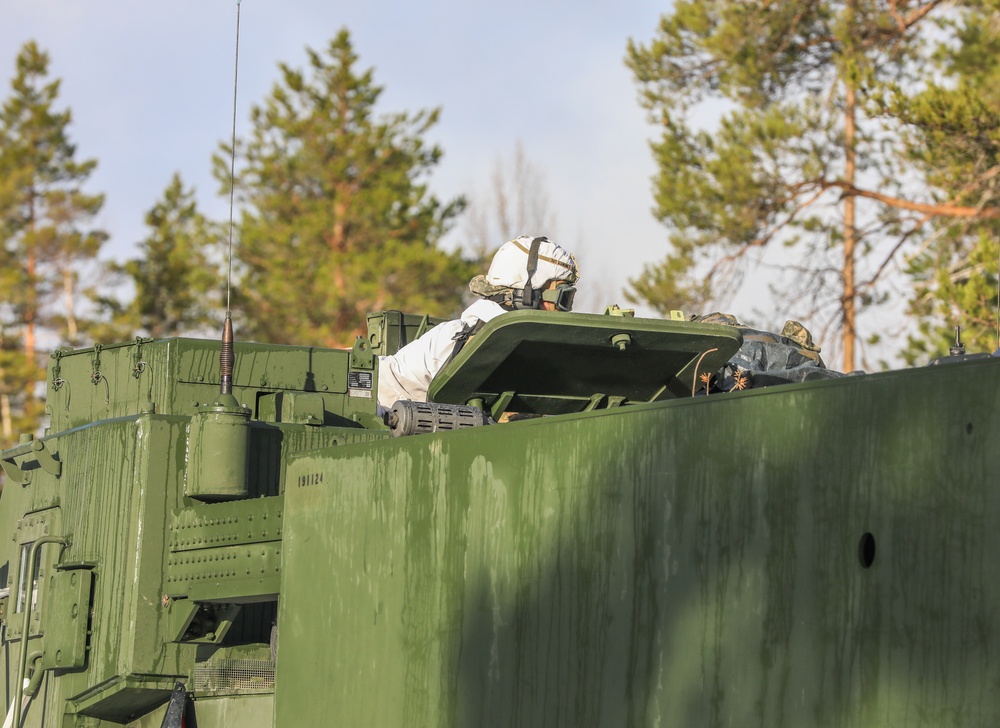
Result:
pixel 408 373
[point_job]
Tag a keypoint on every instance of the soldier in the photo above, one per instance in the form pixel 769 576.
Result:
pixel 526 273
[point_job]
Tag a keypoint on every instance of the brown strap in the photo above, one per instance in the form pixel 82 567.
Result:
pixel 546 258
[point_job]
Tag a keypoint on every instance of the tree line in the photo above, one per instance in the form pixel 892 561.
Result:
pixel 857 138
pixel 335 220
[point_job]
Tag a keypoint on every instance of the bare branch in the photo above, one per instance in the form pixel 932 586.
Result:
pixel 914 17
pixel 904 238
pixel 722 264
pixel 942 210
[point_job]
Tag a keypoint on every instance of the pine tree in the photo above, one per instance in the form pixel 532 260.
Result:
pixel 337 219
pixel 808 150
pixel 45 220
pixel 20 410
pixel 47 223
pixel 953 136
pixel 177 278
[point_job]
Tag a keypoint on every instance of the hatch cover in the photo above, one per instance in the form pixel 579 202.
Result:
pixel 545 362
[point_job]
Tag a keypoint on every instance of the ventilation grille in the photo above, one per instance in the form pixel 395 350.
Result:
pixel 234 677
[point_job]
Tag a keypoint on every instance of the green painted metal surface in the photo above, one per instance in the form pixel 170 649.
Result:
pixel 806 555
pixel 148 583
pixel 181 375
pixel 544 363
pixel 817 555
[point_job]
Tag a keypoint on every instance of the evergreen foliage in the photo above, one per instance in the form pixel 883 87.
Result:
pixel 952 134
pixel 809 152
pixel 337 219
pixel 45 229
pixel 46 215
pixel 177 279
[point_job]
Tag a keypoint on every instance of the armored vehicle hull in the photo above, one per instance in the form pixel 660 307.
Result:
pixel 811 554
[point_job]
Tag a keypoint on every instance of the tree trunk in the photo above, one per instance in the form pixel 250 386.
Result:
pixel 31 302
pixel 337 241
pixel 849 297
pixel 5 419
pixel 71 327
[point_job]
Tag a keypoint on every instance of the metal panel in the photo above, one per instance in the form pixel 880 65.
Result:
pixel 176 376
pixel 226 552
pixel 817 554
pixel 66 617
pixel 390 331
pixel 545 363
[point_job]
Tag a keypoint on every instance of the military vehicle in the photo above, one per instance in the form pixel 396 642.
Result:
pixel 251 544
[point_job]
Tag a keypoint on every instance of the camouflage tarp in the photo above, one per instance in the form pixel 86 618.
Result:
pixel 767 359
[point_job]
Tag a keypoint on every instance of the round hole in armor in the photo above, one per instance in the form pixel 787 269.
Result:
pixel 866 550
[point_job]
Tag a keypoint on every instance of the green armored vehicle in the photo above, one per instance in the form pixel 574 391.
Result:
pixel 633 548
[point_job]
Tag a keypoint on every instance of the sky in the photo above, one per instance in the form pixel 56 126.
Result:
pixel 150 87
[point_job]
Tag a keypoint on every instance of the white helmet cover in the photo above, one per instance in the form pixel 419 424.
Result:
pixel 509 268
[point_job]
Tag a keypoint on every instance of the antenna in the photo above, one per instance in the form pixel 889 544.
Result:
pixel 959 348
pixel 227 358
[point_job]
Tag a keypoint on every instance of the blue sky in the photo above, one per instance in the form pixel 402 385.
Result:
pixel 150 87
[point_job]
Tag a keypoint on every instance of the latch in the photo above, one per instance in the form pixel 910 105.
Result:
pixel 32 454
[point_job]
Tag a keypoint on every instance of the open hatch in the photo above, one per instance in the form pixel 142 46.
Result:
pixel 548 363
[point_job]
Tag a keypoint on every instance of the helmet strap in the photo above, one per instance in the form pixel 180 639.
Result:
pixel 528 297
pixel 514 299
